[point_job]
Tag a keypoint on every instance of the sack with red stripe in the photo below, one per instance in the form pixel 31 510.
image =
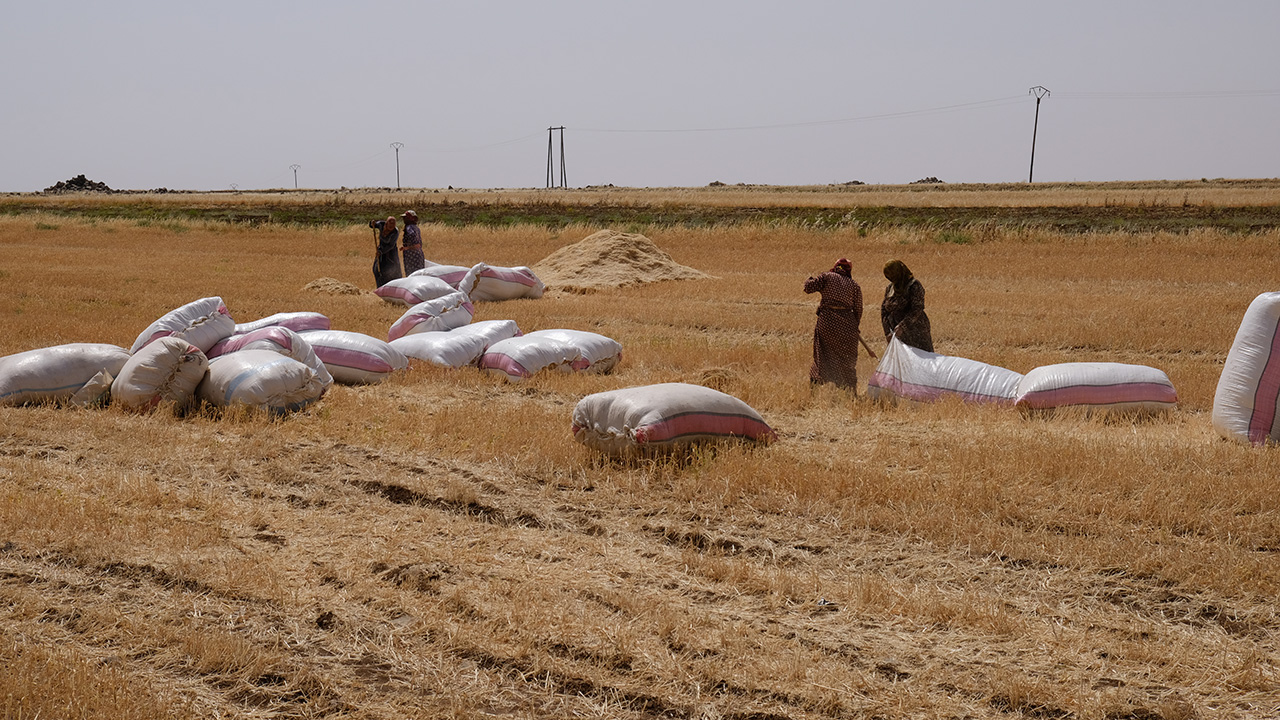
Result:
pixel 1108 387
pixel 457 276
pixel 519 358
pixel 1246 405
pixel 505 283
pixel 276 338
pixel 443 313
pixel 660 418
pixel 414 289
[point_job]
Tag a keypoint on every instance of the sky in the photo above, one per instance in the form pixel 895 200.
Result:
pixel 233 94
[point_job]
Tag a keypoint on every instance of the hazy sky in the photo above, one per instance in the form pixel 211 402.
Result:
pixel 205 96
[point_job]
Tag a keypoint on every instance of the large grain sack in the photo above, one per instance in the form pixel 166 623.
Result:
pixel 1246 405
pixel 414 289
pixel 355 358
pixel 913 374
pixel 443 313
pixel 202 323
pixel 505 283
pixel 166 370
pixel 600 354
pixel 656 418
pixel 55 374
pixel 457 276
pixel 295 321
pixel 260 379
pixel 458 347
pixel 523 357
pixel 276 338
pixel 1098 387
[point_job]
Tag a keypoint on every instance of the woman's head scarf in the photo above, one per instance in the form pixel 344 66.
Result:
pixel 897 273
pixel 844 267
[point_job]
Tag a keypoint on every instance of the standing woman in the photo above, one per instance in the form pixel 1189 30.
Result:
pixel 386 265
pixel 411 248
pixel 836 334
pixel 902 312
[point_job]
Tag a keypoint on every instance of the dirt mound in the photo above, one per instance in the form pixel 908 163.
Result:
pixel 610 259
pixel 332 287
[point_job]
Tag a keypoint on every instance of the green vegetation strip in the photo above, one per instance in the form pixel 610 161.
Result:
pixel 557 215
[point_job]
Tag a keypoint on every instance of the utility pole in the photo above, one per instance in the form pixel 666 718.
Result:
pixel 294 167
pixel 551 175
pixel 397 146
pixel 1040 92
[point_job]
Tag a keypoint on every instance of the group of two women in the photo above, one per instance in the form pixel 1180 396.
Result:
pixel 837 333
pixel 386 263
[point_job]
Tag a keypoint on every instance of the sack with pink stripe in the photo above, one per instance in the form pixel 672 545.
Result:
pixel 355 358
pixel 1246 405
pixel 505 283
pixel 1098 387
pixel 277 339
pixel 443 313
pixel 912 374
pixel 660 418
pixel 519 358
pixel 414 289
pixel 457 276
pixel 458 347
pixel 202 323
pixel 260 379
pixel 295 321
pixel 55 374
pixel 601 353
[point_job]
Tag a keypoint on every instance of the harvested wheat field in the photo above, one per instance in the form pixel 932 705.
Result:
pixel 438 545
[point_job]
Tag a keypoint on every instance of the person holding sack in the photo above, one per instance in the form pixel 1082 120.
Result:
pixel 902 311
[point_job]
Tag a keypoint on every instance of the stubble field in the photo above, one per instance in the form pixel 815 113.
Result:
pixel 439 546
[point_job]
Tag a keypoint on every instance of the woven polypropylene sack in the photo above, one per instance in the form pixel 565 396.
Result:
pixel 494 282
pixel 600 354
pixel 295 321
pixel 260 379
pixel 355 358
pixel 660 418
pixel 1097 387
pixel 443 313
pixel 910 373
pixel 55 374
pixel 276 338
pixel 1246 404
pixel 201 322
pixel 414 289
pixel 520 358
pixel 166 370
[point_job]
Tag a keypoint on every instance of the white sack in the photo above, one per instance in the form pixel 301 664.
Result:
pixel 201 323
pixel 662 417
pixel 54 374
pixel 443 313
pixel 414 289
pixel 1098 386
pixel 167 369
pixel 260 379
pixel 94 393
pixel 522 357
pixel 276 338
pixel 914 374
pixel 505 283
pixel 601 354
pixel 1246 405
pixel 457 276
pixel 355 358
pixel 459 347
pixel 295 321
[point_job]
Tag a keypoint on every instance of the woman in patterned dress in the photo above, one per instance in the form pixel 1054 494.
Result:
pixel 902 312
pixel 386 264
pixel 836 334
pixel 411 247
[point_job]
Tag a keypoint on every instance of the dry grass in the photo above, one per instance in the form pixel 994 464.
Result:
pixel 438 546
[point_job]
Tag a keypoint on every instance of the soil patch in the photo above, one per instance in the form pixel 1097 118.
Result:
pixel 610 259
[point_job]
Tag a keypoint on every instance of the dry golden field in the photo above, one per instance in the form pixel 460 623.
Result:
pixel 439 546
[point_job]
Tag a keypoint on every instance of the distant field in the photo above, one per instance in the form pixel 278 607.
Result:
pixel 439 546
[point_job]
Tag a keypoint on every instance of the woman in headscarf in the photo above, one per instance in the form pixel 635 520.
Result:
pixel 836 334
pixel 386 265
pixel 902 312
pixel 412 247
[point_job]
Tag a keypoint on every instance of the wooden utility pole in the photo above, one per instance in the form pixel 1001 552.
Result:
pixel 1040 92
